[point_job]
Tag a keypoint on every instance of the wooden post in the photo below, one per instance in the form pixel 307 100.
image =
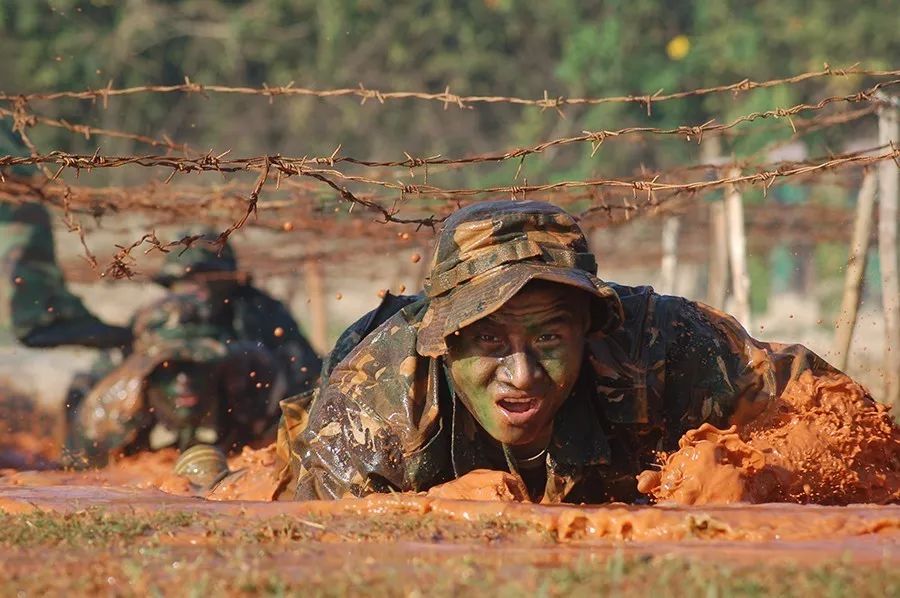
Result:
pixel 737 251
pixel 318 309
pixel 669 263
pixel 856 267
pixel 887 248
pixel 711 153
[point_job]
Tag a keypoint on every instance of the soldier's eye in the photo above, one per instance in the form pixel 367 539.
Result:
pixel 548 338
pixel 488 339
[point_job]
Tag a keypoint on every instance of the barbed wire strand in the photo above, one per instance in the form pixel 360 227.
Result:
pixel 446 97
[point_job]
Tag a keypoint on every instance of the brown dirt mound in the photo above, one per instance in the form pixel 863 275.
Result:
pixel 823 441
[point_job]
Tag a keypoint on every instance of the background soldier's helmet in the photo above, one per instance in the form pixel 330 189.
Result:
pixel 488 251
pixel 200 258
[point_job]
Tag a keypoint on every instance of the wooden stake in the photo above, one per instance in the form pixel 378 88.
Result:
pixel 856 267
pixel 737 251
pixel 318 309
pixel 716 289
pixel 887 248
pixel 669 254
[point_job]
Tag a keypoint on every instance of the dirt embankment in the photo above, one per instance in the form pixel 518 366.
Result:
pixel 823 441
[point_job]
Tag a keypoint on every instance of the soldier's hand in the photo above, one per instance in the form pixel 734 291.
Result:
pixel 483 484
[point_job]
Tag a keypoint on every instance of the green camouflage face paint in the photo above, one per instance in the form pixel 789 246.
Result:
pixel 515 368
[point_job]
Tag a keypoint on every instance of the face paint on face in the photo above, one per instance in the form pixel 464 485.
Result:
pixel 181 393
pixel 515 368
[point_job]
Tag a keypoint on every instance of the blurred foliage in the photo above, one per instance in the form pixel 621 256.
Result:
pixel 505 47
pixel 497 47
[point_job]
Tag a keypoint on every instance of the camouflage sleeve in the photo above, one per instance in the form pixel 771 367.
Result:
pixel 716 372
pixel 34 299
pixel 346 450
pixel 110 419
pixel 369 423
pixel 390 304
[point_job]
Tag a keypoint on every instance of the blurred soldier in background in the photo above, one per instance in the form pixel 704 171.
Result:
pixel 247 313
pixel 35 303
pixel 254 316
pixel 187 381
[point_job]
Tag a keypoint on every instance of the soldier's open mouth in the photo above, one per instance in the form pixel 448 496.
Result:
pixel 187 401
pixel 519 410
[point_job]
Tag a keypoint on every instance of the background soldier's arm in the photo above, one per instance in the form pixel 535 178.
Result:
pixel 109 420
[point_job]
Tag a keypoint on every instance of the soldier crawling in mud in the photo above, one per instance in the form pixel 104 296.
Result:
pixel 234 304
pixel 518 359
pixel 187 382
pixel 212 275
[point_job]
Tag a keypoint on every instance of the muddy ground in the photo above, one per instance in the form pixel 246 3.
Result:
pixel 134 528
pixel 67 533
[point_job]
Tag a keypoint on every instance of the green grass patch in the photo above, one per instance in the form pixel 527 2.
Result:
pixel 90 527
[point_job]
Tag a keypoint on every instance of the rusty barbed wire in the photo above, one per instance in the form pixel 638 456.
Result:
pixel 446 97
pixel 644 196
pixel 88 131
pixel 280 253
pixel 648 191
pixel 595 138
pixel 299 167
pixel 22 117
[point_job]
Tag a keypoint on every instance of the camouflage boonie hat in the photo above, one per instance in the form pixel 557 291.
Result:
pixel 488 251
pixel 177 328
pixel 199 258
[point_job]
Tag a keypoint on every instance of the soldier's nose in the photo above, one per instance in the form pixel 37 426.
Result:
pixel 520 370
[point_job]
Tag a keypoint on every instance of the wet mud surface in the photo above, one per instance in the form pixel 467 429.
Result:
pixel 122 541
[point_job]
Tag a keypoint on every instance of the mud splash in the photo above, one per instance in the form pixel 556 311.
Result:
pixel 24 450
pixel 823 441
pixel 255 476
pixel 483 484
pixel 28 432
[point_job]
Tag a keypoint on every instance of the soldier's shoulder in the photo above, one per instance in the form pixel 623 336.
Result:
pixel 263 311
pixel 382 385
pixel 390 306
pixel 639 302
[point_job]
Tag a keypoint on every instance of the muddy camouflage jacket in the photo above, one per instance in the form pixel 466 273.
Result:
pixel 385 419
